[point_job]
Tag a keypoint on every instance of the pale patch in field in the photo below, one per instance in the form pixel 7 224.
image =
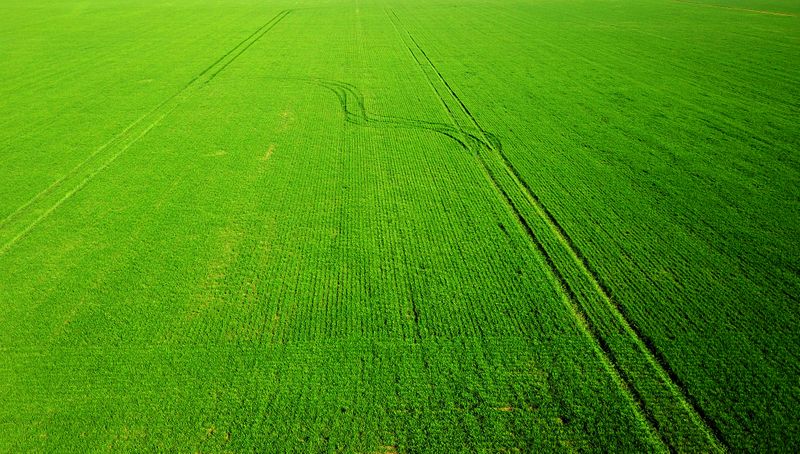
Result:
pixel 244 332
pixel 125 434
pixel 288 118
pixel 507 408
pixel 225 244
pixel 387 449
pixel 269 151
pixel 71 316
pixel 216 154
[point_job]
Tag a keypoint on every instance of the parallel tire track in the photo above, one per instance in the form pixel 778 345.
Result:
pixel 26 217
pixel 635 363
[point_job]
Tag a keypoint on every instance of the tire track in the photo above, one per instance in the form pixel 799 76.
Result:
pixel 25 218
pixel 363 117
pixel 635 363
pixel 568 296
pixel 732 8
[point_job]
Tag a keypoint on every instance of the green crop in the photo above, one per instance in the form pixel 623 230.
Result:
pixel 399 226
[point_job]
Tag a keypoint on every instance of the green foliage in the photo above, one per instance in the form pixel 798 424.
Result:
pixel 399 226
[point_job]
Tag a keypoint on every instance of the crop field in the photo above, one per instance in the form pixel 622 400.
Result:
pixel 386 226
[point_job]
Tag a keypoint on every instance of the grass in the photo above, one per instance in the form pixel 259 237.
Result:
pixel 399 226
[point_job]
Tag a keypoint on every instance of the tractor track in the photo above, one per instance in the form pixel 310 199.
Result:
pixel 25 218
pixel 488 147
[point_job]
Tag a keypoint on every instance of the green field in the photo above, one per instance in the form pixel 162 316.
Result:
pixel 400 226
